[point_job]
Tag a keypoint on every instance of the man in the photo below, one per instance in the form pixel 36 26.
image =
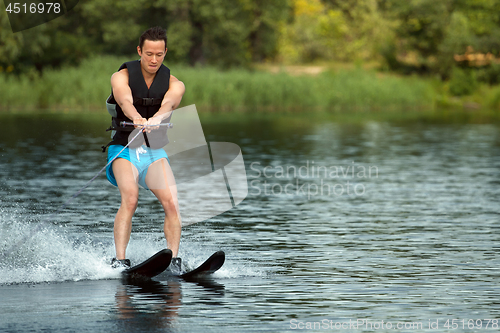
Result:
pixel 144 93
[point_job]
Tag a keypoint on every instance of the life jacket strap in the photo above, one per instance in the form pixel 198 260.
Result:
pixel 106 146
pixel 147 101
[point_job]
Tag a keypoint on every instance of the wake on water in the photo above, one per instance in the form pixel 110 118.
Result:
pixel 53 254
pixel 49 255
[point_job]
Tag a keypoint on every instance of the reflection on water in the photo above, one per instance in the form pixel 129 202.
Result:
pixel 134 298
pixel 381 221
pixel 161 301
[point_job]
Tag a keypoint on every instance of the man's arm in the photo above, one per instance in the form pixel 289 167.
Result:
pixel 171 100
pixel 123 96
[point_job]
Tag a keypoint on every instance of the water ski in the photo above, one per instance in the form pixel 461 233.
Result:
pixel 210 266
pixel 151 267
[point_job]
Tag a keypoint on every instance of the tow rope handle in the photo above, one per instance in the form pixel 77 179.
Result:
pixel 124 123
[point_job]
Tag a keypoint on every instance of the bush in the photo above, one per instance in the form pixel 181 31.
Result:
pixel 489 74
pixel 462 82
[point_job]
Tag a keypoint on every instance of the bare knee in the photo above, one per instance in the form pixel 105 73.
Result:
pixel 169 206
pixel 129 201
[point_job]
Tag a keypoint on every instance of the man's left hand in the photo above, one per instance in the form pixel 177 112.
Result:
pixel 153 121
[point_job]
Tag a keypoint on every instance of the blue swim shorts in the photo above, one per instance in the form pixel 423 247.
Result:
pixel 141 158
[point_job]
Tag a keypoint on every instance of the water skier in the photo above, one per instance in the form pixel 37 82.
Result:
pixel 144 93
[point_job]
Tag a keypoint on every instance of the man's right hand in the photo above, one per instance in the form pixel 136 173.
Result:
pixel 139 121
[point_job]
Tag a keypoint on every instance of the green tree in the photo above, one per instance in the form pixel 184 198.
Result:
pixel 10 43
pixel 430 32
pixel 420 27
pixel 457 36
pixel 341 30
pixel 312 34
pixel 216 32
pixel 226 33
pixel 15 46
pixel 54 43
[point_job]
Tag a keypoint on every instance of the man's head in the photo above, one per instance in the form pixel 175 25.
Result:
pixel 153 34
pixel 152 49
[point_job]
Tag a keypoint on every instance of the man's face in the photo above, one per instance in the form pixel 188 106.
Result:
pixel 152 55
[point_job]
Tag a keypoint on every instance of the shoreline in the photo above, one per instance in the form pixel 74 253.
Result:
pixel 341 91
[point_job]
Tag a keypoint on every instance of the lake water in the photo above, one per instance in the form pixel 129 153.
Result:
pixel 370 226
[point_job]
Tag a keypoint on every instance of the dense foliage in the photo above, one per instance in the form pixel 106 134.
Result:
pixel 409 36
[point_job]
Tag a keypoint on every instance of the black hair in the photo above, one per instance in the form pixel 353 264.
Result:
pixel 153 34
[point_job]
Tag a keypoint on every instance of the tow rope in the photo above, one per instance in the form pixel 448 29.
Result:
pixel 46 220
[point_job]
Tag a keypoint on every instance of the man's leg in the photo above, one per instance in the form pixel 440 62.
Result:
pixel 126 178
pixel 161 182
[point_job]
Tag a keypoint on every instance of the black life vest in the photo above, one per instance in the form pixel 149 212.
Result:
pixel 146 101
